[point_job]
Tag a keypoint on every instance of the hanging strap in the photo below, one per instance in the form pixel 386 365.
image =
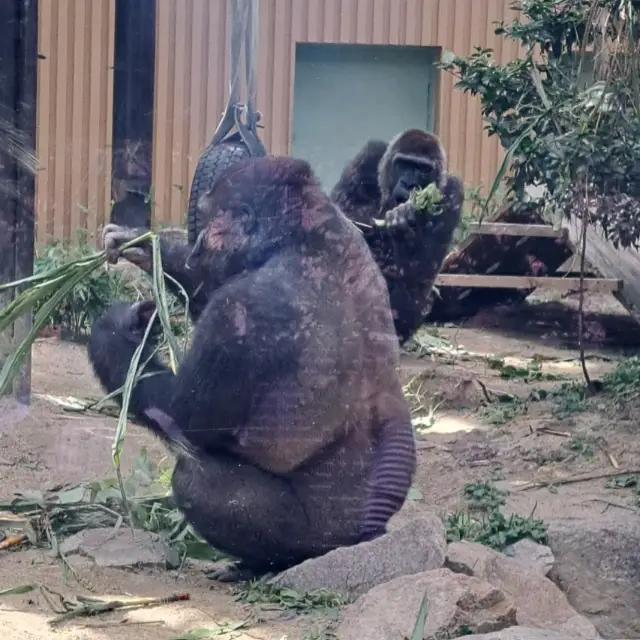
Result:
pixel 243 17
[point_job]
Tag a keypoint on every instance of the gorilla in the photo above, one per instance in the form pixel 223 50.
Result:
pixel 287 416
pixel 411 247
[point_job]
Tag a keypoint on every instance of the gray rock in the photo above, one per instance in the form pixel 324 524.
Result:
pixel 531 554
pixel 522 633
pixel 122 548
pixel 417 546
pixel 598 567
pixel 539 601
pixel 389 611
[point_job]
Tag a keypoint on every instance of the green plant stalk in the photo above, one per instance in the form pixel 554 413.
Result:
pixel 60 281
pixel 162 305
pixel 506 161
pixel 15 359
pixel 421 620
pixel 118 440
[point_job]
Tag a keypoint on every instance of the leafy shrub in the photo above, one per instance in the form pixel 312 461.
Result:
pixel 89 299
pixel 567 111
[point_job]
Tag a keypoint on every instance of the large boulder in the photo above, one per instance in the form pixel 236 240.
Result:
pixel 597 564
pixel 532 555
pixel 522 633
pixel 122 548
pixel 455 603
pixel 539 601
pixel 417 546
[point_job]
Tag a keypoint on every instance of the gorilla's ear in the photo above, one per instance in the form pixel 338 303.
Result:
pixel 142 312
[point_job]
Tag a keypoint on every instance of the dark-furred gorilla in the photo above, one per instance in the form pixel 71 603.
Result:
pixel 295 434
pixel 376 184
pixel 410 249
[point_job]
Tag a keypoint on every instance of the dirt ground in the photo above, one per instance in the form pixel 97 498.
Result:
pixel 47 446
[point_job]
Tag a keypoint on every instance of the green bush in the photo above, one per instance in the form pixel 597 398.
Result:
pixel 89 299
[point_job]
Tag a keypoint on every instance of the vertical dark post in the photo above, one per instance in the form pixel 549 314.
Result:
pixel 18 61
pixel 133 101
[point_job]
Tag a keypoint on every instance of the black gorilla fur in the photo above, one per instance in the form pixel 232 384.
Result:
pixel 411 248
pixel 289 401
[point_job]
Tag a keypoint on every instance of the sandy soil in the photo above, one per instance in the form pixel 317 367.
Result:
pixel 47 446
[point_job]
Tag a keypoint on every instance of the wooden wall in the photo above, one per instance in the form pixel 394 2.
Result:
pixel 75 88
pixel 74 116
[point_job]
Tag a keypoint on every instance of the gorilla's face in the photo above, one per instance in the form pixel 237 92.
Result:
pixel 409 174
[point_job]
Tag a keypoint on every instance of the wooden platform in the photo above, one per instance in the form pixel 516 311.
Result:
pixel 599 285
pixel 503 261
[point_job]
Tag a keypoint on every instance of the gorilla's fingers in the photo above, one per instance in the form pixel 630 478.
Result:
pixel 138 256
pixel 114 236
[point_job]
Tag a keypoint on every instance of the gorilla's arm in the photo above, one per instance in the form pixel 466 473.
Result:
pixel 112 343
pixel 417 244
pixel 174 252
pixel 357 193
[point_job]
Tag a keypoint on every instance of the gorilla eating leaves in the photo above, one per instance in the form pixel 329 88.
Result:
pixel 298 437
pixel 410 249
pixel 376 184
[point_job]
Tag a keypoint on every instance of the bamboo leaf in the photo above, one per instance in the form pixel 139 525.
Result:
pixel 421 620
pixel 162 304
pixel 18 591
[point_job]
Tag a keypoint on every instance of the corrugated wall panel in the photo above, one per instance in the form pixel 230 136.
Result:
pixel 74 119
pixel 192 46
pixel 191 86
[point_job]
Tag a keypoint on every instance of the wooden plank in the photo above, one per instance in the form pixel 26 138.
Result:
pixel 514 229
pixel 471 281
pixel 622 264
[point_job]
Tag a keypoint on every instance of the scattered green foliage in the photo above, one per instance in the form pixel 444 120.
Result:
pixel 628 481
pixel 495 530
pixel 483 496
pixel 50 516
pixel 423 413
pixel 570 120
pixel 532 372
pixel 491 527
pixel 582 448
pixel 261 592
pixel 505 409
pixel 623 383
pixel 620 386
pixel 569 398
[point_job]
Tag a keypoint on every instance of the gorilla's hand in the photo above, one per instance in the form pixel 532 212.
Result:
pixel 405 219
pixel 114 236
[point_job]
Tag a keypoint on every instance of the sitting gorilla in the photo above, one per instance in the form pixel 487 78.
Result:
pixel 410 249
pixel 295 434
pixel 375 184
